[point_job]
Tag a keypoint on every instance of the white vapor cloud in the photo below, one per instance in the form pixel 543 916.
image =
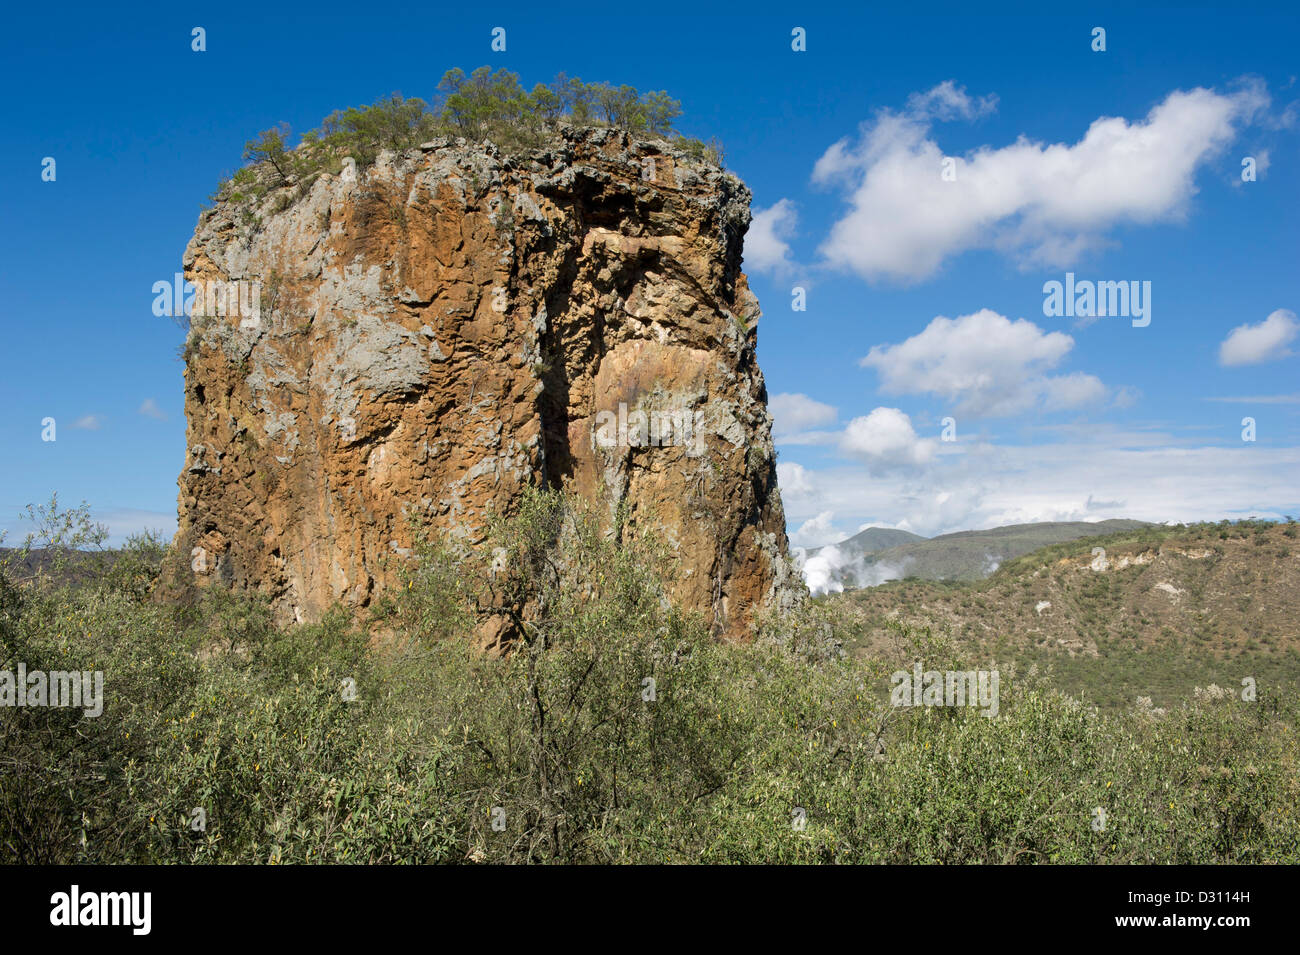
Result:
pixel 820 570
pixel 986 363
pixel 1267 341
pixel 90 422
pixel 830 569
pixel 1041 203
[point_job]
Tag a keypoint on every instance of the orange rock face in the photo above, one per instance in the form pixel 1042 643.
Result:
pixel 437 332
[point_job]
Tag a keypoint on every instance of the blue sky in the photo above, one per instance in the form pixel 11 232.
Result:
pixel 1055 418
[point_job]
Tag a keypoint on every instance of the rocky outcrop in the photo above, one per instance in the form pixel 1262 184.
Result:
pixel 452 324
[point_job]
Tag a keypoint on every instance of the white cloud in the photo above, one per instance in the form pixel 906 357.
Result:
pixel 886 440
pixel 793 479
pixel 1267 341
pixel 149 408
pixel 795 413
pixel 948 101
pixel 765 247
pixel 934 509
pixel 90 422
pixel 1086 478
pixel 1041 203
pixel 986 363
pixel 816 531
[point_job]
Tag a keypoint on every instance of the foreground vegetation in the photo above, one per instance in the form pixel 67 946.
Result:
pixel 617 731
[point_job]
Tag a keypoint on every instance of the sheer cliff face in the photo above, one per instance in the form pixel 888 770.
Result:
pixel 451 325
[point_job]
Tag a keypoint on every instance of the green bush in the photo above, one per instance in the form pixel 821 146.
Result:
pixel 615 730
pixel 484 105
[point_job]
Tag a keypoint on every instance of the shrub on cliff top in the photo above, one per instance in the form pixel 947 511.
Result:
pixel 484 105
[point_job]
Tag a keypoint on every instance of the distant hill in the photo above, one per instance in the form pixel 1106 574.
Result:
pixel 1162 610
pixel 878 554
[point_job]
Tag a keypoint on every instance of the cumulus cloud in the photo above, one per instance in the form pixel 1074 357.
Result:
pixel 1041 203
pixel 796 413
pixel 766 248
pixel 987 364
pixel 1267 341
pixel 149 408
pixel 886 440
pixel 815 531
pixel 794 480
